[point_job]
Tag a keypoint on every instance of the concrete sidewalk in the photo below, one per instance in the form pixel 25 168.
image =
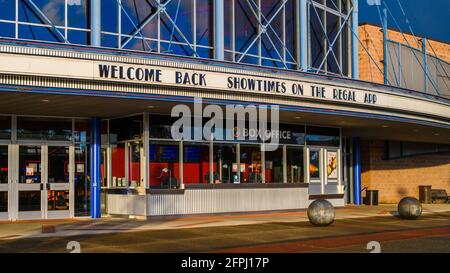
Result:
pixel 106 225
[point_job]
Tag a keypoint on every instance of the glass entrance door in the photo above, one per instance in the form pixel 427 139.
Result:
pixel 30 190
pixel 42 181
pixel 59 175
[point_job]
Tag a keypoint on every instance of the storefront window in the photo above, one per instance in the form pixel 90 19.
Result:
pixel 3 201
pixel 294 158
pixel 128 128
pixel 118 165
pixel 225 162
pixel 251 164
pixel 29 200
pixel 58 200
pixel 5 127
pixel 58 164
pixel 44 129
pixel 3 164
pixel 322 136
pixel 134 161
pixel 82 132
pixel 30 164
pixel 196 164
pixel 164 164
pixel 274 166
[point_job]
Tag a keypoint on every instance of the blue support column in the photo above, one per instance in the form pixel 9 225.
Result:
pixel 355 41
pixel 96 23
pixel 219 33
pixel 96 139
pixel 357 200
pixel 303 6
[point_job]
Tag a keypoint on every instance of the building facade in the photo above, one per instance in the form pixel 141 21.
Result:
pixel 87 89
pixel 396 168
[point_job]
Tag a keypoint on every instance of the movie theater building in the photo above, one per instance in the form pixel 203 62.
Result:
pixel 87 89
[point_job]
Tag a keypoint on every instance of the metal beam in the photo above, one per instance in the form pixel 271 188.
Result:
pixel 385 48
pixel 96 23
pixel 303 34
pixel 355 40
pixel 425 65
pixel 219 30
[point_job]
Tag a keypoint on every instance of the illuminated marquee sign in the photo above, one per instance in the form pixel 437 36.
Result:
pixel 205 77
pixel 224 81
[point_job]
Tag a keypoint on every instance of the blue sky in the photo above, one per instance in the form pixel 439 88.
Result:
pixel 429 18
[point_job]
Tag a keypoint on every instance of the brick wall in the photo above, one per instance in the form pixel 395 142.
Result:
pixel 399 178
pixel 372 39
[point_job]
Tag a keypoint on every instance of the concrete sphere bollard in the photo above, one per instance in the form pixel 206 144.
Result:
pixel 409 208
pixel 321 213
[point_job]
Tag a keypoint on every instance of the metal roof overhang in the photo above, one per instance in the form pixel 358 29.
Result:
pixel 83 106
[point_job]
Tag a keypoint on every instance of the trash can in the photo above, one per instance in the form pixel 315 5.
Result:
pixel 425 194
pixel 371 198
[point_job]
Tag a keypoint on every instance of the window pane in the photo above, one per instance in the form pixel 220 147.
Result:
pixel 228 14
pixel 29 200
pixel 246 28
pixel 78 37
pixel 58 164
pixel 204 22
pixel 196 164
pixel 134 161
pixel 109 15
pixel 82 181
pixel 39 33
pixel 4 201
pixel 7 12
pixel 251 164
pixel 322 136
pixel 58 200
pixel 76 13
pixel 164 164
pixel 53 10
pixel 5 127
pixel 225 162
pixel 118 165
pixel 126 128
pixel 317 37
pixel 332 33
pixel 295 165
pixel 134 12
pixel 44 128
pixel 181 14
pixel 7 30
pixel 274 166
pixel 3 164
pixel 30 164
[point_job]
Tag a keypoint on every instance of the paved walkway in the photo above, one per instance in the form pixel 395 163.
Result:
pixel 86 226
pixel 286 231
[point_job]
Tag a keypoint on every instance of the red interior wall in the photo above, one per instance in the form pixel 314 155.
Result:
pixel 118 162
